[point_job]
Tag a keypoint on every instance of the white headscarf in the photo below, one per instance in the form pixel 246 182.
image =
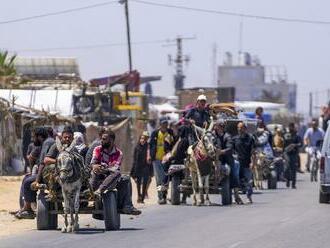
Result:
pixel 80 141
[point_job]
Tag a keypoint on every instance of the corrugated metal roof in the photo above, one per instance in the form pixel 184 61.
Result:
pixel 47 67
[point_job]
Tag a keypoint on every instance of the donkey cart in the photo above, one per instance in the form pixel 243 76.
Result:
pixel 202 172
pixel 102 209
pixel 181 184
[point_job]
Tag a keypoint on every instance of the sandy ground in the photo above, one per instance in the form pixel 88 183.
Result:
pixel 9 194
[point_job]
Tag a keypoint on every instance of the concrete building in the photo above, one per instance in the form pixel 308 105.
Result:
pixel 255 82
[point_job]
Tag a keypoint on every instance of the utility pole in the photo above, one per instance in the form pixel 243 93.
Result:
pixel 311 104
pixel 129 47
pixel 178 61
pixel 214 63
pixel 240 40
pixel 128 33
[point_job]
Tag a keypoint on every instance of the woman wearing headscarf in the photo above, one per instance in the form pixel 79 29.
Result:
pixel 80 144
pixel 141 166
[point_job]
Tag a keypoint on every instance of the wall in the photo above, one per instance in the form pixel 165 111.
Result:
pixel 249 84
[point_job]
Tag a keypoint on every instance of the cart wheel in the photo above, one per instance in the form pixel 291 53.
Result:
pixel 175 191
pixel 110 212
pixel 272 180
pixel 45 220
pixel 21 198
pixel 226 192
pixel 324 198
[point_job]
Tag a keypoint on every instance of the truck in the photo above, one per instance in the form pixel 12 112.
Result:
pixel 324 194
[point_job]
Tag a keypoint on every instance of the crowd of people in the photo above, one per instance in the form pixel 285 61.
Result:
pixel 153 155
pixel 236 151
pixel 103 158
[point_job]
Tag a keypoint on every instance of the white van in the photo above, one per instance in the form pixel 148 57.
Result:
pixel 325 169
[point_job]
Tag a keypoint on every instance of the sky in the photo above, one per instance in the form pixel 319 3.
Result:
pixel 302 48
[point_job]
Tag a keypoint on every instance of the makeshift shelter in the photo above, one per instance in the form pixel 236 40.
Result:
pixel 53 101
pixel 16 123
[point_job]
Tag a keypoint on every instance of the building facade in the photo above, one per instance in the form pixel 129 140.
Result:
pixel 252 84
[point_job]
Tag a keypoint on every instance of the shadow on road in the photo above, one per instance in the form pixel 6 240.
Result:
pixel 130 229
pixel 90 231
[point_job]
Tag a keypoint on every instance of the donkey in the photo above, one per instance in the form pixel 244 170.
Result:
pixel 70 179
pixel 258 161
pixel 200 160
pixel 260 157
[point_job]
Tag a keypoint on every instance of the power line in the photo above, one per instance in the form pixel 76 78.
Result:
pixel 219 12
pixel 27 18
pixel 89 46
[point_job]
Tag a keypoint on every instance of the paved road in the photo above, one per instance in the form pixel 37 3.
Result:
pixel 278 218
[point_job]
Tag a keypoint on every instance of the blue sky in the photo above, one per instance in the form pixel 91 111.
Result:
pixel 302 48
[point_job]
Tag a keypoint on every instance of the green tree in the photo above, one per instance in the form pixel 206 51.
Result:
pixel 7 68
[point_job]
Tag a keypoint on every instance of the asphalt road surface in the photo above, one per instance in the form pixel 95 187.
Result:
pixel 278 218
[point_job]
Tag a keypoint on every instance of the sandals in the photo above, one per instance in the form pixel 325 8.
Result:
pixel 14 212
pixel 25 214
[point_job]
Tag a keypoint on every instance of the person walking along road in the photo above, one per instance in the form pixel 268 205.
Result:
pixel 244 145
pixel 292 142
pixel 141 166
pixel 161 142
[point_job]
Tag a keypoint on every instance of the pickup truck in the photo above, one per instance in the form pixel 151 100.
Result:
pixel 325 169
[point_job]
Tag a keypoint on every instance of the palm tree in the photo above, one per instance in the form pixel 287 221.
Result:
pixel 7 67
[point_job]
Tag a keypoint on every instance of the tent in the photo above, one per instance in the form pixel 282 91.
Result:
pixel 165 109
pixel 53 101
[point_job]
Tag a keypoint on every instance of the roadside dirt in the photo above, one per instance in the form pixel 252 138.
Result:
pixel 9 194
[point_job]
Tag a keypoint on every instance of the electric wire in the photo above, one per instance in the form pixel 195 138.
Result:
pixel 235 14
pixel 28 18
pixel 86 47
pixel 218 12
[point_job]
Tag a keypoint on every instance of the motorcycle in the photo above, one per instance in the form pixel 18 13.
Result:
pixel 271 163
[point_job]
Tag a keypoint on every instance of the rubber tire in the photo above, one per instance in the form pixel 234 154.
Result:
pixel 324 198
pixel 45 220
pixel 175 191
pixel 226 197
pixel 313 174
pixel 110 212
pixel 21 199
pixel 272 180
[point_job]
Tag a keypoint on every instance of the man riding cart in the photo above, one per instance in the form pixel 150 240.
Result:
pixel 64 169
pixel 265 163
pixel 214 168
pixel 224 144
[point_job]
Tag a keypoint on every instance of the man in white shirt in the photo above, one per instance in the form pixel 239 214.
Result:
pixel 312 138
